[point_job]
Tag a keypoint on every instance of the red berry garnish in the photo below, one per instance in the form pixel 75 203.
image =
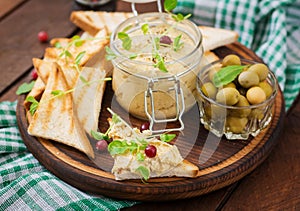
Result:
pixel 150 151
pixel 101 145
pixel 43 36
pixel 145 126
pixel 165 40
pixel 34 74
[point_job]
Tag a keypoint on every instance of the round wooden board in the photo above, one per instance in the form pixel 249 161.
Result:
pixel 221 162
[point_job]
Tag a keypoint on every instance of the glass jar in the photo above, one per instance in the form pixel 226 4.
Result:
pixel 156 77
pixel 235 122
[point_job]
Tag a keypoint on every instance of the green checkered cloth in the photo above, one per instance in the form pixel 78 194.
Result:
pixel 271 28
pixel 26 185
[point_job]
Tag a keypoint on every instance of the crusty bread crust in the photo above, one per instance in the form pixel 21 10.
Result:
pixel 83 21
pixel 54 118
pixel 92 21
pixel 184 169
pixel 217 37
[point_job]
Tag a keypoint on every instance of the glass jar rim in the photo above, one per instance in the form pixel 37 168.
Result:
pixel 158 15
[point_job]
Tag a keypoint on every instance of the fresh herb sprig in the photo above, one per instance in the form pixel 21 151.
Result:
pixel 177 43
pixel 170 5
pixel 158 59
pixel 104 136
pixel 227 74
pixel 34 104
pixel 136 145
pixel 25 88
pixel 57 93
pixel 76 40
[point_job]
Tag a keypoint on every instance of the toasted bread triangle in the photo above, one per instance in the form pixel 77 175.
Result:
pixel 92 22
pixel 216 37
pixel 54 118
pixel 88 98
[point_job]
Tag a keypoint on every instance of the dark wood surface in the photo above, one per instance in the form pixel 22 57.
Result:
pixel 274 185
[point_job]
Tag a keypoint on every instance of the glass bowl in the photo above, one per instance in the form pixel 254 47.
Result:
pixel 235 122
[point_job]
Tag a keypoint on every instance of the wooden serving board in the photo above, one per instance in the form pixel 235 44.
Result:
pixel 221 162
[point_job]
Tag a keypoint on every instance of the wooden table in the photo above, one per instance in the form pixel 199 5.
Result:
pixel 274 185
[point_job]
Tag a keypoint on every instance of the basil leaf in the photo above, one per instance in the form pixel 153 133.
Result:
pixel 227 74
pixel 25 88
pixel 167 137
pixel 144 172
pixel 170 5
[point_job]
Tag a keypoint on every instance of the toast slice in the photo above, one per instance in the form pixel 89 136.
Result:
pixel 208 57
pixel 43 68
pixel 36 92
pixel 217 37
pixel 87 98
pixel 54 117
pixel 166 163
pixel 92 21
pixel 90 48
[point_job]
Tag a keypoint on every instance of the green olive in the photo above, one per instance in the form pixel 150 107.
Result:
pixel 257 114
pixel 212 112
pixel 209 90
pixel 241 112
pixel 248 79
pixel 231 60
pixel 232 85
pixel 236 124
pixel 218 112
pixel 228 96
pixel 266 87
pixel 255 95
pixel 261 70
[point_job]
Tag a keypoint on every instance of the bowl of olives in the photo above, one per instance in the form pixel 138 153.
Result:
pixel 236 97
